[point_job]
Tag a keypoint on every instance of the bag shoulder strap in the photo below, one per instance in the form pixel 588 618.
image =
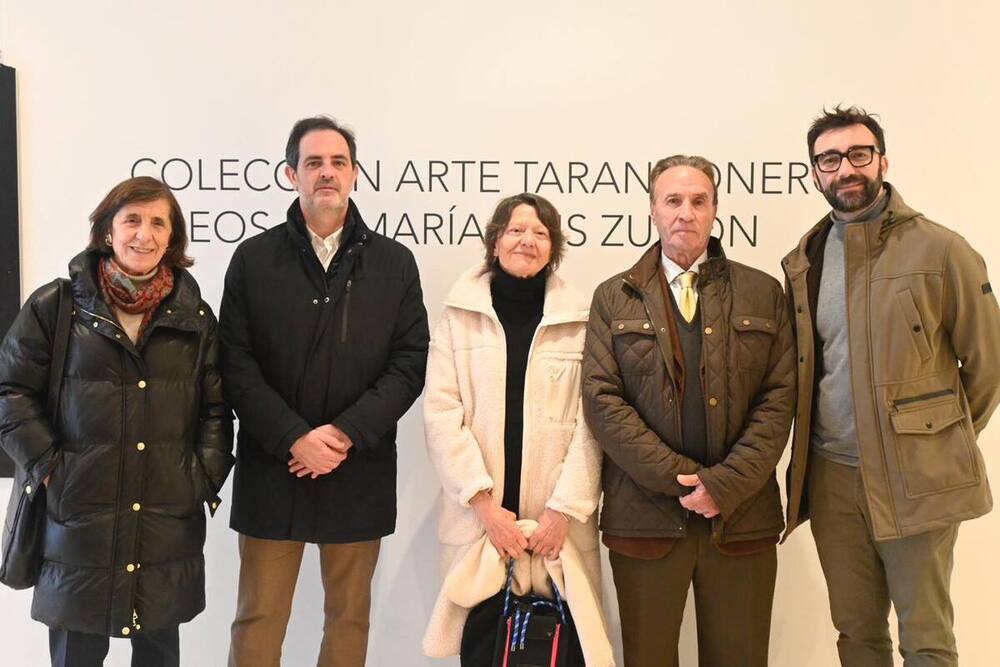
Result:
pixel 60 344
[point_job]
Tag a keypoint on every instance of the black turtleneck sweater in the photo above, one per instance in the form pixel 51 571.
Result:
pixel 518 303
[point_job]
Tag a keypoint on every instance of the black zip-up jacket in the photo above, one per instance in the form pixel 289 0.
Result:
pixel 302 347
pixel 141 439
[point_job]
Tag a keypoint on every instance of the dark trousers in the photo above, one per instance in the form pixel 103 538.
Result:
pixel 733 595
pixel 480 634
pixel 864 576
pixel 159 648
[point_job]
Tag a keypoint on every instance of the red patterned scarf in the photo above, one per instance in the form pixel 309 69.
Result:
pixel 122 293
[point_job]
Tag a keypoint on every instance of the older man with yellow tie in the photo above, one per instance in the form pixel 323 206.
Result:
pixel 688 386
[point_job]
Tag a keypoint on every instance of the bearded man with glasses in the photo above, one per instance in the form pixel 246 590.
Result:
pixel 898 354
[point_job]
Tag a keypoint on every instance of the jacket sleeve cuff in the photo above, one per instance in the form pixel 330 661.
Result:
pixel 714 488
pixel 566 511
pixel 473 487
pixel 44 465
pixel 357 439
pixel 287 440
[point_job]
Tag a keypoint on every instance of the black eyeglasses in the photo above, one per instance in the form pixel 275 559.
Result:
pixel 858 156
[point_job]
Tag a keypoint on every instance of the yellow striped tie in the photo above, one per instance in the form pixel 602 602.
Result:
pixel 689 298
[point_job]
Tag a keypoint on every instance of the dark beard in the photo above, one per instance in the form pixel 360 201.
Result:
pixel 854 201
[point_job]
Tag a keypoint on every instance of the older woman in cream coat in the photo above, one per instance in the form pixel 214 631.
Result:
pixel 472 401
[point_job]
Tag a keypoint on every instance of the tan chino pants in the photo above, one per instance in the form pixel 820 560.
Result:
pixel 269 570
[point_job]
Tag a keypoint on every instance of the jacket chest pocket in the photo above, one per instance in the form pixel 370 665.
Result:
pixel 635 347
pixel 752 339
pixel 933 443
pixel 914 324
pixel 557 386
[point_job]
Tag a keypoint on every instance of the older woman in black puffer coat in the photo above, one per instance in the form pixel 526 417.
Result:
pixel 140 440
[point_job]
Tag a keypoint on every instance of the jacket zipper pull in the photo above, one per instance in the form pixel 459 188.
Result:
pixel 347 305
pixel 135 620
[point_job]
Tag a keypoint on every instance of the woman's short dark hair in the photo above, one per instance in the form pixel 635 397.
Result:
pixel 140 189
pixel 547 215
pixel 840 117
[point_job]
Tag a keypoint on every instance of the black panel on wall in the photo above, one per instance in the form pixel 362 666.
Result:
pixel 10 263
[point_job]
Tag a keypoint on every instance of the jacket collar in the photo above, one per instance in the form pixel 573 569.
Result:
pixel 563 303
pixel 896 212
pixel 355 229
pixel 182 308
pixel 645 270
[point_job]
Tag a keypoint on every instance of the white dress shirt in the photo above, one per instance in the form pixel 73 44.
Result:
pixel 325 248
pixel 671 270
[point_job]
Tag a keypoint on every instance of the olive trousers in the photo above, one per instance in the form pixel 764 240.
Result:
pixel 865 576
pixel 733 595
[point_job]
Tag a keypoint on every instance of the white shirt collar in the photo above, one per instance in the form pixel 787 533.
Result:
pixel 325 248
pixel 326 244
pixel 672 270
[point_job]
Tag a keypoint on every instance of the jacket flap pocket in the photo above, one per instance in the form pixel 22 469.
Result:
pixel 928 419
pixel 632 326
pixel 753 323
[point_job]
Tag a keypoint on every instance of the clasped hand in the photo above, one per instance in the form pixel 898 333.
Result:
pixel 506 537
pixel 319 451
pixel 699 500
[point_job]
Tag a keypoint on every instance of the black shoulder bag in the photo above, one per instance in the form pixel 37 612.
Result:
pixel 24 527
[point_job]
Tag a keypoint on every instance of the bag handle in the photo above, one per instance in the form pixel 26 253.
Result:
pixel 60 345
pixel 508 592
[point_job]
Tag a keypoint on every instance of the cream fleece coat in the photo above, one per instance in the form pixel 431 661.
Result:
pixel 464 427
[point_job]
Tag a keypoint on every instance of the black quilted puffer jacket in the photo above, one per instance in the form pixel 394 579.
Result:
pixel 140 443
pixel 632 405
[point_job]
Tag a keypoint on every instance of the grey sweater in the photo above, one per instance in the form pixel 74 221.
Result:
pixel 834 433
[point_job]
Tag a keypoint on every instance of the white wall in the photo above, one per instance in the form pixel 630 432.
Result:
pixel 101 84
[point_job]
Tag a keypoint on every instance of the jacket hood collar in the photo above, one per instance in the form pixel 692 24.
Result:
pixel 184 298
pixel 644 271
pixel 895 213
pixel 355 229
pixel 563 302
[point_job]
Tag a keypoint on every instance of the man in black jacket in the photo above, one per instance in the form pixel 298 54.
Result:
pixel 324 347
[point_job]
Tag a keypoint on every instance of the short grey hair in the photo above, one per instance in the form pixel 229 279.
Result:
pixel 693 161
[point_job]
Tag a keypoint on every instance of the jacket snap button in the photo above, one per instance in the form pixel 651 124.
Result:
pixel 130 568
pixel 621 326
pixel 136 507
pixel 326 299
pixel 142 384
pixel 746 323
pixel 125 631
pixel 95 325
pixel 201 312
pixel 802 360
pixel 662 329
pixel 916 327
pixel 140 446
pixel 929 425
pixel 713 401
pixel 708 331
pixel 118 335
pixel 27 489
pixel 645 325
pixel 169 311
pixel 315 302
